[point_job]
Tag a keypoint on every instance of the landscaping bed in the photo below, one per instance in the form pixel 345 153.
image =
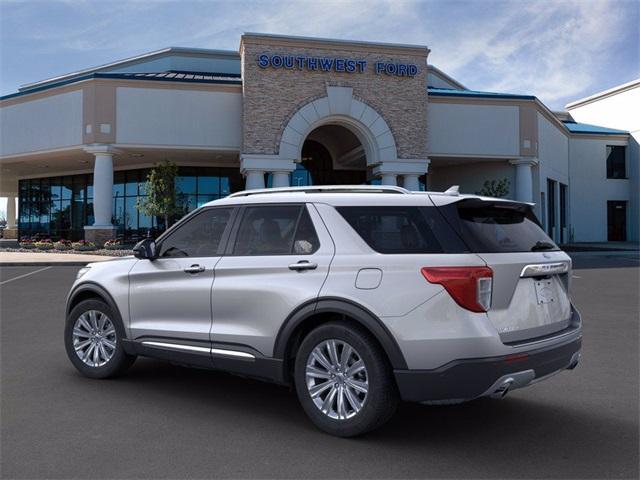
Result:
pixel 100 251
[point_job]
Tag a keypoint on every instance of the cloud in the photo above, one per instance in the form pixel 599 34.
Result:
pixel 553 49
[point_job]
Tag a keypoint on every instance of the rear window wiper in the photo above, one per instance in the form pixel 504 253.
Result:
pixel 543 246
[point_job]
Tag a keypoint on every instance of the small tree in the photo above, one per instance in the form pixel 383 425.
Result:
pixel 162 196
pixel 495 188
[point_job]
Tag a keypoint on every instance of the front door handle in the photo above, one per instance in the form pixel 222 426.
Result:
pixel 303 265
pixel 194 269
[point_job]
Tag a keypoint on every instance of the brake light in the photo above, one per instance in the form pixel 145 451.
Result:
pixel 470 287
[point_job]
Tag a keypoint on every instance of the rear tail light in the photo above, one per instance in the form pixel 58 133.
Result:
pixel 470 287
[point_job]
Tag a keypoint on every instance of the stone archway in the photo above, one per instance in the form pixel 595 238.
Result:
pixel 339 108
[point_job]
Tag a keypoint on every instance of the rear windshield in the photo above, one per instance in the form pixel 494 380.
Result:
pixel 403 229
pixel 493 227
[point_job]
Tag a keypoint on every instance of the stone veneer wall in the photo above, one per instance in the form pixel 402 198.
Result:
pixel 271 96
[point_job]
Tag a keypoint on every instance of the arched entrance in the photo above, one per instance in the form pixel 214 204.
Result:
pixel 331 155
pixel 336 139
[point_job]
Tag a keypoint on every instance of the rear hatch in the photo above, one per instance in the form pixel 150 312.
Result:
pixel 531 275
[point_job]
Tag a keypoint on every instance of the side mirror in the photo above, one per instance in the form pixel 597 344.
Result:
pixel 145 249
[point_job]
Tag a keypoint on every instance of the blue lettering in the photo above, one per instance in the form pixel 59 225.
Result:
pixel 326 64
pixel 402 70
pixel 301 61
pixel 288 62
pixel 412 70
pixel 263 61
pixel 351 66
pixel 391 69
pixel 276 61
pixel 340 65
pixel 379 67
pixel 312 63
pixel 362 65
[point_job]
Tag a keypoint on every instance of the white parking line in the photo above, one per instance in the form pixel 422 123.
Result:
pixel 25 275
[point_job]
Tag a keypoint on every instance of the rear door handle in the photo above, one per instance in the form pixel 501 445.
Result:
pixel 194 269
pixel 303 265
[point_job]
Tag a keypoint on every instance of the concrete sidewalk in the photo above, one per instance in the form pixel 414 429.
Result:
pixel 18 259
pixel 601 247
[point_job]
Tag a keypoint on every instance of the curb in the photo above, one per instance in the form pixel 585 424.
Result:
pixel 44 264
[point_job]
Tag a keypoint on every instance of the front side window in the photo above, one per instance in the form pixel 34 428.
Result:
pixel 276 230
pixel 616 167
pixel 199 236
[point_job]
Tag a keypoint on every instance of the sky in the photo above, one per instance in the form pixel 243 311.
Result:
pixel 558 50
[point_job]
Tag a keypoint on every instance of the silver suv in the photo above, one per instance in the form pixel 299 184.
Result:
pixel 357 296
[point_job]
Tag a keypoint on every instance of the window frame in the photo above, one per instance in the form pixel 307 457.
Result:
pixel 233 236
pixel 192 215
pixel 625 174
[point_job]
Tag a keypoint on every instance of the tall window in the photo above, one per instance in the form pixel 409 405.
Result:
pixel 616 164
pixel 60 207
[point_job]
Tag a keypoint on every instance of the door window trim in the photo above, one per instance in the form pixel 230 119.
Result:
pixel 187 218
pixel 233 234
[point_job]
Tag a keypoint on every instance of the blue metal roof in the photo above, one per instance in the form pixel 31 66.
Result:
pixel 450 92
pixel 575 127
pixel 170 76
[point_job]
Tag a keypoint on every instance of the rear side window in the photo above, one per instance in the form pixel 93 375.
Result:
pixel 495 227
pixel 402 229
pixel 276 230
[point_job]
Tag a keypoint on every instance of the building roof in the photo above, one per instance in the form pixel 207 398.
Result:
pixel 603 94
pixel 445 76
pixel 575 127
pixel 168 76
pixel 177 75
pixel 131 61
pixel 450 92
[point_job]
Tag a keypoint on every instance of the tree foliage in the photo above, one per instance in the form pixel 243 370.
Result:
pixel 495 188
pixel 162 195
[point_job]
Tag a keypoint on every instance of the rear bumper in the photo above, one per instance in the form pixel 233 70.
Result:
pixel 467 379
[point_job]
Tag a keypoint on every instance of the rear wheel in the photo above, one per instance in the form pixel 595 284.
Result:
pixel 93 339
pixel 343 380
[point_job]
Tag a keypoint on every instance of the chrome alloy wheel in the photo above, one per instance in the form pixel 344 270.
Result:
pixel 337 379
pixel 94 338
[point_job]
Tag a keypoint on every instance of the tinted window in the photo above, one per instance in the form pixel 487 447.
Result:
pixel 276 230
pixel 491 227
pixel 402 229
pixel 616 162
pixel 199 236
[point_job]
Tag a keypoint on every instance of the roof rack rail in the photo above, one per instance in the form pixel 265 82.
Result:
pixel 325 189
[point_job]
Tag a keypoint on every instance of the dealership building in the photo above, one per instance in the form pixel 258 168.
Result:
pixel 76 149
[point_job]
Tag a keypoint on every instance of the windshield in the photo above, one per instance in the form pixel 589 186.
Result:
pixel 494 227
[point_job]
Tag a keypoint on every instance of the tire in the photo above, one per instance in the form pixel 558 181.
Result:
pixel 111 333
pixel 381 399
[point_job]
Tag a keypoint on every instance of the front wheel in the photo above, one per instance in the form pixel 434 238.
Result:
pixel 344 381
pixel 93 337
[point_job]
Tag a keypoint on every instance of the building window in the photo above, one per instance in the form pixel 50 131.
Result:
pixel 616 164
pixel 60 207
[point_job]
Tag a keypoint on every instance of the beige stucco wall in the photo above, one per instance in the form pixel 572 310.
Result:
pixel 42 124
pixel 271 96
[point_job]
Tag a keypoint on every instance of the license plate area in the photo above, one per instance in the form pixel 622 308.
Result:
pixel 545 291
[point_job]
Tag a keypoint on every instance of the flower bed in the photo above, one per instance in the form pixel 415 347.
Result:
pixel 44 244
pixel 26 243
pixel 62 245
pixel 84 246
pixel 113 245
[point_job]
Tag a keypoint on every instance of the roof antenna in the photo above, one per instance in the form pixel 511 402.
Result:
pixel 453 190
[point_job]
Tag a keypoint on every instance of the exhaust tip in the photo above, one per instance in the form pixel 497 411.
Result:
pixel 502 389
pixel 575 360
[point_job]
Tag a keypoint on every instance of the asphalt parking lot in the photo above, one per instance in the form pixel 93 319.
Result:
pixel 165 421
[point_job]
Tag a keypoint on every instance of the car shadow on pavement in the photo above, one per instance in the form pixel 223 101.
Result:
pixel 485 421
